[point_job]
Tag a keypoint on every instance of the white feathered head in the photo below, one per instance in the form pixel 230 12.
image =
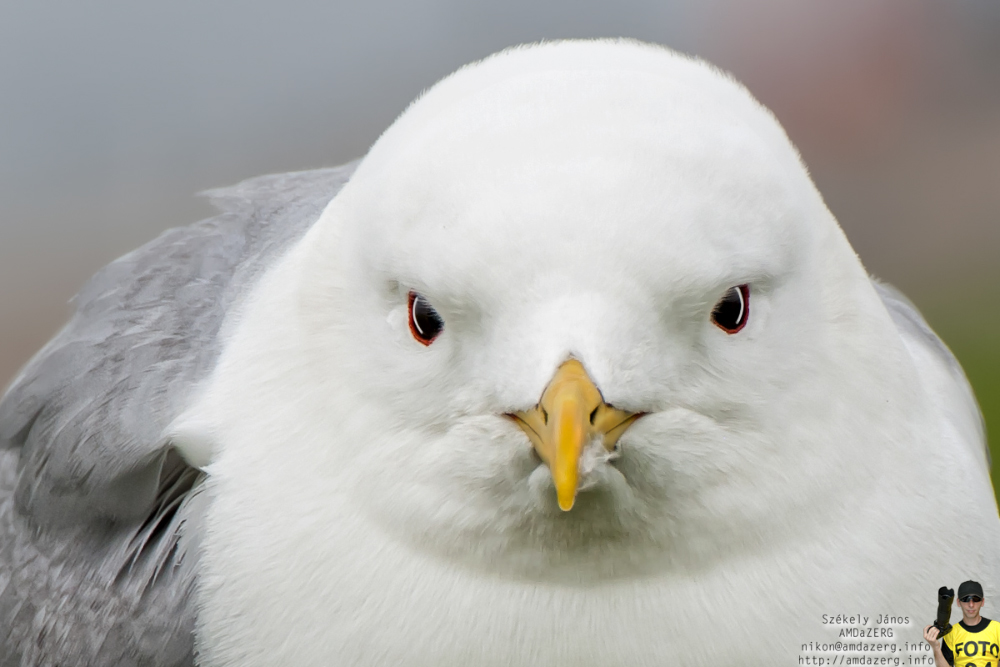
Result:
pixel 579 310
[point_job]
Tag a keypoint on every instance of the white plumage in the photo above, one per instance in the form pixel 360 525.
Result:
pixel 372 505
pixel 370 501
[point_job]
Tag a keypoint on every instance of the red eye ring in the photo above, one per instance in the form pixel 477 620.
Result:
pixel 425 323
pixel 732 311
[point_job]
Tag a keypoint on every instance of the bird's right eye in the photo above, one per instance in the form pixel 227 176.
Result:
pixel 425 323
pixel 731 312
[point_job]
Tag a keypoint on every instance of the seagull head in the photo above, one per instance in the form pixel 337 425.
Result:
pixel 580 309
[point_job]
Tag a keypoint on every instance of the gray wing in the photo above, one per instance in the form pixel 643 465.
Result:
pixel 939 369
pixel 96 510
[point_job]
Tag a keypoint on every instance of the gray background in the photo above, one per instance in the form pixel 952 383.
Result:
pixel 113 114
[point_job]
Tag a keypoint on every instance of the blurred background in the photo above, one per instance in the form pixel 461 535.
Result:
pixel 113 114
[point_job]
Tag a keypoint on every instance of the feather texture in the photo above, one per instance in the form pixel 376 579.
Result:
pixel 97 512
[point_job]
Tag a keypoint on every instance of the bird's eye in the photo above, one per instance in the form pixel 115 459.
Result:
pixel 425 323
pixel 733 309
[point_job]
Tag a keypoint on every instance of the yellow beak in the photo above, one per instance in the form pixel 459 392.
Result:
pixel 571 414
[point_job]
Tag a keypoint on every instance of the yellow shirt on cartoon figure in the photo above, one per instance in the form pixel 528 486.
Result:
pixel 973 645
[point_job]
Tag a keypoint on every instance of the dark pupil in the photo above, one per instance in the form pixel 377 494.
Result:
pixel 730 312
pixel 425 319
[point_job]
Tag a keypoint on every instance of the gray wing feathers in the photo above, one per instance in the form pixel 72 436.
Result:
pixel 92 499
pixel 948 380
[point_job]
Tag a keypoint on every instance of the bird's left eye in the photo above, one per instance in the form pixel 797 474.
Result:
pixel 731 312
pixel 425 323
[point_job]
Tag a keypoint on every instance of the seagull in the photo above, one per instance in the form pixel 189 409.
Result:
pixel 573 367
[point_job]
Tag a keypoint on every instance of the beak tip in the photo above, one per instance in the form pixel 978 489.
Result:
pixel 566 504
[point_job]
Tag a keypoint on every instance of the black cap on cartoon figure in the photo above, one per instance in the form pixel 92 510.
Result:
pixel 970 588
